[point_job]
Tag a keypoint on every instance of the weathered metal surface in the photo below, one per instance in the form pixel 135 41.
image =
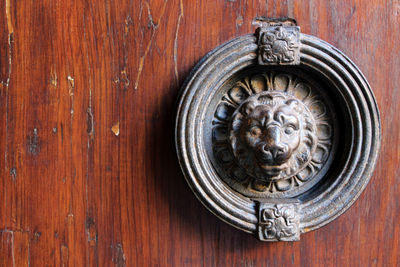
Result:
pixel 269 112
pixel 278 221
pixel 278 132
pixel 278 45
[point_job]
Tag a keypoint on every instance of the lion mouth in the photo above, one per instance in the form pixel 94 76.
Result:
pixel 272 170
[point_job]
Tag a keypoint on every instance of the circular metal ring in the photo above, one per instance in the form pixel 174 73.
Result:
pixel 360 132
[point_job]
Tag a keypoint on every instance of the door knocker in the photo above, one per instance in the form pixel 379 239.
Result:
pixel 277 132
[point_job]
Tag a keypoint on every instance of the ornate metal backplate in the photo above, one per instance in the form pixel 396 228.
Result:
pixel 272 134
pixel 278 132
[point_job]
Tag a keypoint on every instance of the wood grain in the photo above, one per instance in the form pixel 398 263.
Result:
pixel 89 175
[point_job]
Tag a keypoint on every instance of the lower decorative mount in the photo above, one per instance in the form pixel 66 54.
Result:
pixel 278 222
pixel 277 133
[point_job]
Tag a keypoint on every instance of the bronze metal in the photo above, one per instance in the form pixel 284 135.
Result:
pixel 278 132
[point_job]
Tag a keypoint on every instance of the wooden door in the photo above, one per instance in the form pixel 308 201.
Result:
pixel 89 174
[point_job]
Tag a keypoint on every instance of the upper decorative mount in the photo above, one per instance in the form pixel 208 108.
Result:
pixel 278 42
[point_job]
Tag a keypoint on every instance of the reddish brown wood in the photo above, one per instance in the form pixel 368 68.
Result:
pixel 87 101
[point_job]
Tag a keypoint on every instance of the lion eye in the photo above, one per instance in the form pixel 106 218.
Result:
pixel 289 130
pixel 255 131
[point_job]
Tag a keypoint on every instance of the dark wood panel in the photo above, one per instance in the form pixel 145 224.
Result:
pixel 87 102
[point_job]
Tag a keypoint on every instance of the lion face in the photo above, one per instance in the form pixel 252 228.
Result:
pixel 273 135
pixel 267 135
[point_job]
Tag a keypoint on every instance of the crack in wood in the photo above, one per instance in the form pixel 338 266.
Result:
pixel 118 258
pixel 142 58
pixel 176 42
pixel 34 143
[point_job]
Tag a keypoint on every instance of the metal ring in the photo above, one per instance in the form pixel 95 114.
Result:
pixel 327 200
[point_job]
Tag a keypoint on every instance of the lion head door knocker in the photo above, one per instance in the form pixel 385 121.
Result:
pixel 277 132
pixel 272 136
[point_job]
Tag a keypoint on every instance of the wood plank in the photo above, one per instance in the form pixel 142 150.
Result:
pixel 89 171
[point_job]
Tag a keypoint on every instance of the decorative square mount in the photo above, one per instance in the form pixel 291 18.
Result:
pixel 279 45
pixel 278 222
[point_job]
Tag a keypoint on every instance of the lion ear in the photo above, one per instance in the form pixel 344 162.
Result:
pixel 247 108
pixel 294 104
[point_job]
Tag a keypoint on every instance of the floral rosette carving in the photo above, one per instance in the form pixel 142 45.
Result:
pixel 272 133
pixel 278 222
pixel 279 45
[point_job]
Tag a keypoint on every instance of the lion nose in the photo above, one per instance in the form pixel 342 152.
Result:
pixel 273 145
pixel 277 151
